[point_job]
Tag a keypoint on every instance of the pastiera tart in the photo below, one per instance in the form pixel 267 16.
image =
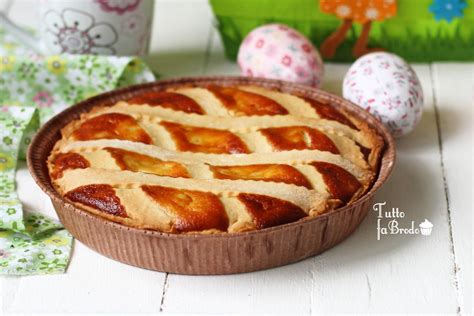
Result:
pixel 214 159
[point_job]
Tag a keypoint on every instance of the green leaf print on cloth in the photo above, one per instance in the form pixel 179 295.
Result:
pixel 46 250
pixel 55 82
pixel 15 124
pixel 29 243
pixel 32 89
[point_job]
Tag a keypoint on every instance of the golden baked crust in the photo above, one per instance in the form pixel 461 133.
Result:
pixel 214 159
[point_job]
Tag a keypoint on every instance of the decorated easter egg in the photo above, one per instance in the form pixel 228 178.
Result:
pixel 277 51
pixel 386 86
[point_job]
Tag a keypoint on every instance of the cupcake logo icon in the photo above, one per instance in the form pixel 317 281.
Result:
pixel 426 227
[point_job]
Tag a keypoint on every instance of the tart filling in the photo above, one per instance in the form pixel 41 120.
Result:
pixel 214 159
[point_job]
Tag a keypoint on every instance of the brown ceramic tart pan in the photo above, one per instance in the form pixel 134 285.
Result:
pixel 221 253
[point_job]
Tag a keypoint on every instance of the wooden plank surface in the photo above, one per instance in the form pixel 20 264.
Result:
pixel 396 274
pixel 453 86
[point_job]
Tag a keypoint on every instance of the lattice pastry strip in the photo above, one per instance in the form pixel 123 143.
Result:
pixel 209 135
pixel 333 120
pixel 314 170
pixel 257 101
pixel 240 123
pixel 241 101
pixel 120 196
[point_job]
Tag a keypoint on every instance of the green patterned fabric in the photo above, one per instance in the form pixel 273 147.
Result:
pixel 422 30
pixel 30 243
pixel 32 89
pixel 53 83
pixel 15 124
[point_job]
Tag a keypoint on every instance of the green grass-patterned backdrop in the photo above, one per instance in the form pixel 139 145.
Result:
pixel 414 33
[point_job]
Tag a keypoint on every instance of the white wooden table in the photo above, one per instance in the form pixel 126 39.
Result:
pixel 404 273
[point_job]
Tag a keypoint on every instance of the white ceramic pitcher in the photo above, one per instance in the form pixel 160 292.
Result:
pixel 109 27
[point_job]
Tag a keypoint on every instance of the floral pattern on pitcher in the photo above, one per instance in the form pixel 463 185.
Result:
pixel 76 32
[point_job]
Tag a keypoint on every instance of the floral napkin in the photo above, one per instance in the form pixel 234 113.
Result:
pixel 32 89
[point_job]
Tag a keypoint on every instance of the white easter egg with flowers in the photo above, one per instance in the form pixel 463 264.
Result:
pixel 277 51
pixel 386 86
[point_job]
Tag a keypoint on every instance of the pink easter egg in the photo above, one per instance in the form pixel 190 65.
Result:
pixel 385 85
pixel 277 51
